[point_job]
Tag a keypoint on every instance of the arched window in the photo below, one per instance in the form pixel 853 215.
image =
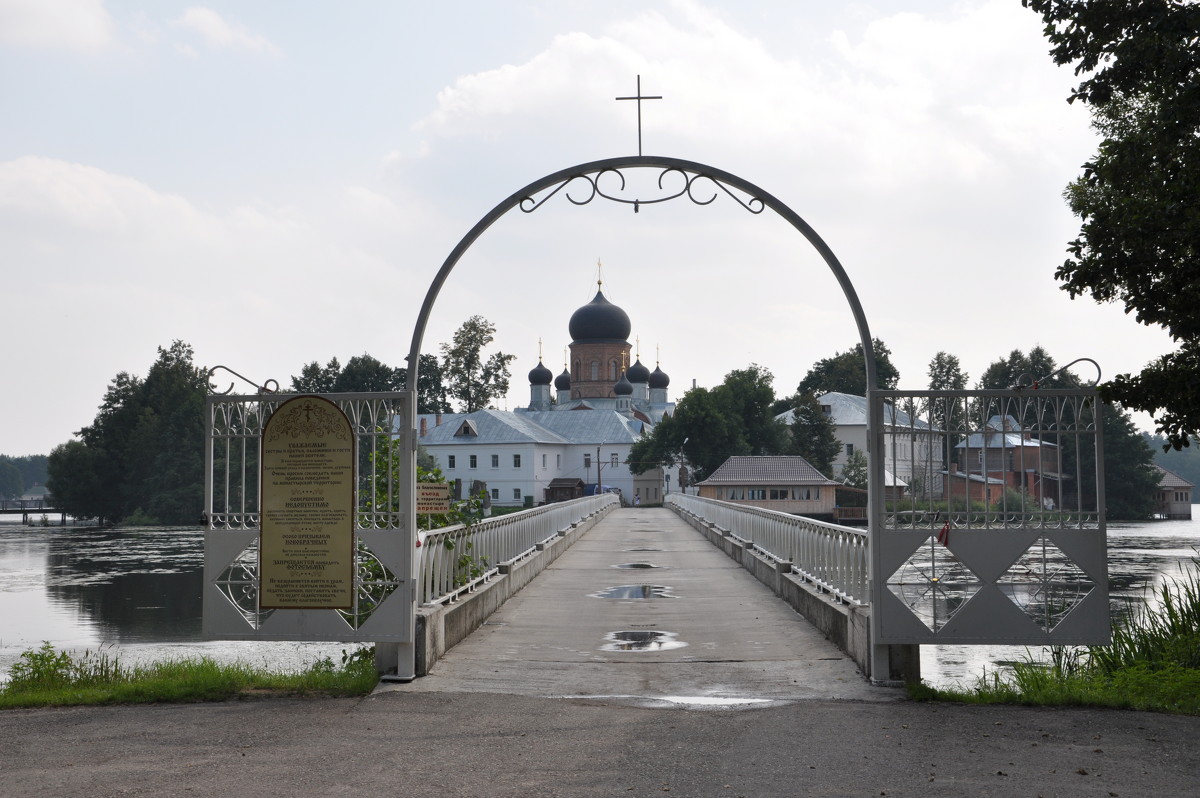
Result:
pixel 575 373
pixel 612 370
pixel 595 370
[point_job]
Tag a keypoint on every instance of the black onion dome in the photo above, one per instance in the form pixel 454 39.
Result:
pixel 623 387
pixel 599 320
pixel 540 375
pixel 638 373
pixel 659 378
pixel 563 381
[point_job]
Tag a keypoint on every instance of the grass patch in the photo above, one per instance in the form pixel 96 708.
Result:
pixel 47 677
pixel 1152 664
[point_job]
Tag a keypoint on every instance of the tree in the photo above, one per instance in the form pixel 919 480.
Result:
pixel 470 378
pixel 1139 241
pixel 367 374
pixel 946 374
pixel 143 454
pixel 813 434
pixel 710 426
pixel 12 485
pixel 854 473
pixel 1022 369
pixel 846 372
pixel 1129 481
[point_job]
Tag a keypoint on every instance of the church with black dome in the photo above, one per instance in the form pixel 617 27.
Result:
pixel 599 376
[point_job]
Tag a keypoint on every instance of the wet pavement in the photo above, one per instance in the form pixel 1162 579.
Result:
pixel 703 631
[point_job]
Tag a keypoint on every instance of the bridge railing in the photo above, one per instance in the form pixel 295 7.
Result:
pixel 456 559
pixel 834 558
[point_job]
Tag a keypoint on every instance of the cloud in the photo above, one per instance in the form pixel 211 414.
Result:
pixel 218 33
pixel 80 25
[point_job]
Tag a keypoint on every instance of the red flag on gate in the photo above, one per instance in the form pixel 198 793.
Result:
pixel 944 535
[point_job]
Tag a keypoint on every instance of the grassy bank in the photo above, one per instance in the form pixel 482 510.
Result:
pixel 1153 664
pixel 47 677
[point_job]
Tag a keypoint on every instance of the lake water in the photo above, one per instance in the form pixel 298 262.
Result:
pixel 137 592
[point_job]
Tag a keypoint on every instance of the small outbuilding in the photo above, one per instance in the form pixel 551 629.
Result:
pixel 563 489
pixel 1174 496
pixel 789 484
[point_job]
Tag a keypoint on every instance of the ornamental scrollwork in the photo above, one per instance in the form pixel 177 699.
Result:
pixel 699 187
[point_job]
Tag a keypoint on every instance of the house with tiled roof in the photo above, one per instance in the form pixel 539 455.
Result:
pixel 789 484
pixel 1174 496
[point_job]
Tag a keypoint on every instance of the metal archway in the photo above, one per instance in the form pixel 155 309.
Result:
pixel 693 181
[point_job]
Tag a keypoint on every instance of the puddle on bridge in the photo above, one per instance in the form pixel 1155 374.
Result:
pixel 641 641
pixel 643 548
pixel 633 565
pixel 635 592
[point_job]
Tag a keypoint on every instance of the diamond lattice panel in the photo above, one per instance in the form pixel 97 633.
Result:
pixel 239 584
pixel 1045 583
pixel 933 584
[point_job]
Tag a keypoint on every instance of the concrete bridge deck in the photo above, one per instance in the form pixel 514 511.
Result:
pixel 742 643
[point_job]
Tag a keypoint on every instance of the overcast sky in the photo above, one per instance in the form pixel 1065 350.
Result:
pixel 277 182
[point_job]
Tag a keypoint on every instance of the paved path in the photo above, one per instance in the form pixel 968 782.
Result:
pixel 737 641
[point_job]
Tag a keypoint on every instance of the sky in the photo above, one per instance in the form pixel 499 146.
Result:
pixel 278 182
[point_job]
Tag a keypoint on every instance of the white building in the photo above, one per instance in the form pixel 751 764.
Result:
pixel 600 408
pixel 912 448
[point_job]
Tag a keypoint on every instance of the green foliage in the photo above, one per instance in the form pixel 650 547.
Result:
pixel 846 372
pixel 709 426
pixel 19 473
pixel 144 450
pixel 364 373
pixel 1023 369
pixel 813 434
pixel 1184 462
pixel 854 473
pixel 471 379
pixel 1136 198
pixel 48 677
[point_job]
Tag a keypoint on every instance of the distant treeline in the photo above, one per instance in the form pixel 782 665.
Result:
pixel 19 474
pixel 1185 462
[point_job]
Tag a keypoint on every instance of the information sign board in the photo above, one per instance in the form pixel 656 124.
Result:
pixel 306 548
pixel 433 498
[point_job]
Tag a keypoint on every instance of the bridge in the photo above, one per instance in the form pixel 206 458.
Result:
pixel 659 605
pixel 30 509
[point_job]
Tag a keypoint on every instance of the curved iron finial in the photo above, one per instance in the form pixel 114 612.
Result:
pixel 1026 381
pixel 593 189
pixel 270 386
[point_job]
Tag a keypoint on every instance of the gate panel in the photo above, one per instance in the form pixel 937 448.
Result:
pixel 989 526
pixel 383 607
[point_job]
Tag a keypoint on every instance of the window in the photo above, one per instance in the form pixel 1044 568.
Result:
pixel 558 461
pixel 613 460
pixel 587 461
pixel 779 493
pixel 495 461
pixel 595 370
pixel 474 462
pixel 496 494
pixel 450 461
pixel 516 461
pixel 849 449
pixel 543 461
pixel 516 494
pixel 612 370
pixel 756 494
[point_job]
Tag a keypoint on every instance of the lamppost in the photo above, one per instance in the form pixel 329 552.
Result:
pixel 599 482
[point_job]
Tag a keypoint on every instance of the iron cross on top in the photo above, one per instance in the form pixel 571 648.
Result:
pixel 639 99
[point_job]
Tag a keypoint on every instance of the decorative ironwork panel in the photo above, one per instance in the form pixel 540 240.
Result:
pixel 383 604
pixel 987 517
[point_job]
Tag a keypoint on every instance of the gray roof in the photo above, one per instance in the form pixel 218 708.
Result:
pixel 544 426
pixel 848 410
pixel 1169 479
pixel 767 470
